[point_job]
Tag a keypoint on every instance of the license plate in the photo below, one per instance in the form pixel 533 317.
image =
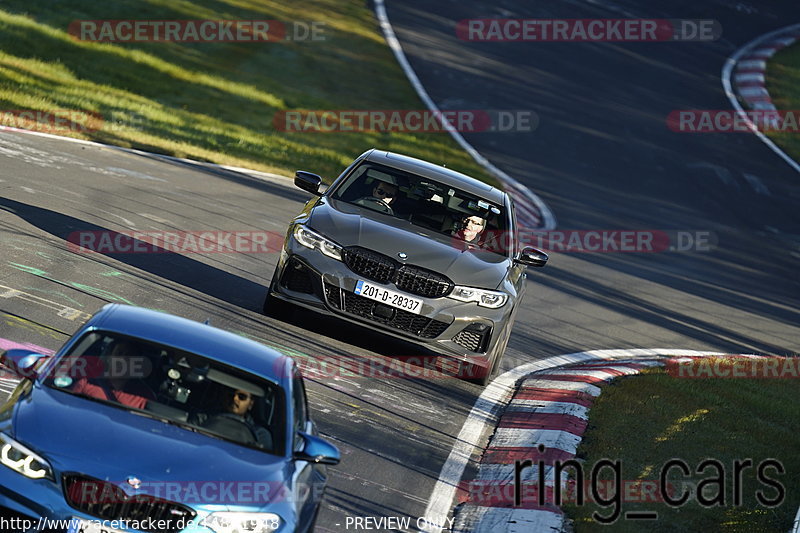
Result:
pixel 389 297
pixel 79 525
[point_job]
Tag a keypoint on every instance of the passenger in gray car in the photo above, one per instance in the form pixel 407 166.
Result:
pixel 469 229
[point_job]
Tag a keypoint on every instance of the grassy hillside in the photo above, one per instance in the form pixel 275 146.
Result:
pixel 783 83
pixel 213 101
pixel 648 420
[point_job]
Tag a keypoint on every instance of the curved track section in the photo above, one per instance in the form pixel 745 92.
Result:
pixel 602 159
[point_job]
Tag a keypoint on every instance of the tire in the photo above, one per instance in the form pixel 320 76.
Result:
pixel 495 359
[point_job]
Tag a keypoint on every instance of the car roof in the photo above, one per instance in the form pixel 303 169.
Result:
pixel 438 173
pixel 191 336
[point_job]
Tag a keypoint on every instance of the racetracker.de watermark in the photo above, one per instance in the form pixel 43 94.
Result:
pixel 93 492
pixel 56 121
pixel 505 493
pixel 588 30
pixel 196 31
pixel 598 241
pixel 406 120
pixel 154 242
pixel 258 242
pixel 735 367
pixel 732 121
pixel 334 367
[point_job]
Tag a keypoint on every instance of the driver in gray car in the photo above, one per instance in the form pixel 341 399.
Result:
pixel 382 196
pixel 385 191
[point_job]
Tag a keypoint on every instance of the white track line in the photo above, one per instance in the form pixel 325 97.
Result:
pixel 548 219
pixel 265 176
pixel 727 69
pixel 516 521
pixel 543 406
pixel 575 386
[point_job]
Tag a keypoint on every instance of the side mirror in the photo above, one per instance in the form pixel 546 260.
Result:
pixel 24 363
pixel 532 257
pixel 317 450
pixel 308 181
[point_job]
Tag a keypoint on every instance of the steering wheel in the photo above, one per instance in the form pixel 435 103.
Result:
pixel 230 428
pixel 375 203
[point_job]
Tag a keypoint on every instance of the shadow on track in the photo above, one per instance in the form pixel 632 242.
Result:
pixel 161 262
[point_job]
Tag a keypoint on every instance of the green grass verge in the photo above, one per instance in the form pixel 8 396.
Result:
pixel 783 84
pixel 215 101
pixel 646 420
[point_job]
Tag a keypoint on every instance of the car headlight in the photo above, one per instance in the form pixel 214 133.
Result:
pixel 483 297
pixel 314 240
pixel 22 460
pixel 232 522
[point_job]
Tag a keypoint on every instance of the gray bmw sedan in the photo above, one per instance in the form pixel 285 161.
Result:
pixel 412 249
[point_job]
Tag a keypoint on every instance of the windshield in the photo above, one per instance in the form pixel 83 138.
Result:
pixel 177 387
pixel 425 203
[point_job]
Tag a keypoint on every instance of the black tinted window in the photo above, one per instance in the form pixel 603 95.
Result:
pixel 178 387
pixel 424 202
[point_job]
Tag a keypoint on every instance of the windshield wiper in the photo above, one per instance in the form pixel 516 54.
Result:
pixel 162 418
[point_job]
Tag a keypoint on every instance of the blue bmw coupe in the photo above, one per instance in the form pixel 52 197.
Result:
pixel 144 421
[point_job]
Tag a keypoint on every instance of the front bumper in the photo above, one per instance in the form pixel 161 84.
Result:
pixel 33 501
pixel 461 330
pixel 40 506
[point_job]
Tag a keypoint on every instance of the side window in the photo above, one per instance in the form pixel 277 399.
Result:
pixel 352 187
pixel 300 406
pixel 346 171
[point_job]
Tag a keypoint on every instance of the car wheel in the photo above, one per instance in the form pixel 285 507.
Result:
pixel 277 308
pixel 495 359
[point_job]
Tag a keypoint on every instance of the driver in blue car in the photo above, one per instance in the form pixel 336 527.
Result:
pixel 236 405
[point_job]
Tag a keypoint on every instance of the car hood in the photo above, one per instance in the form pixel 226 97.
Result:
pixel 76 434
pixel 351 225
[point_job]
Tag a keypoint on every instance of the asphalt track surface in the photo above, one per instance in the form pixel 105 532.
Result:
pixel 602 158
